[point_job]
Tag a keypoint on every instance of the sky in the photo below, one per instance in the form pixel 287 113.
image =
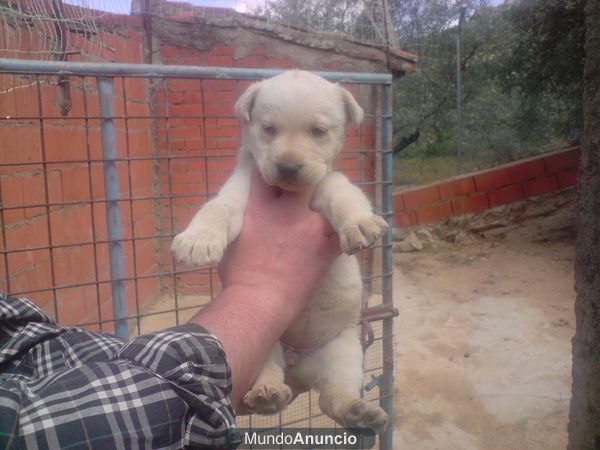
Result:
pixel 124 6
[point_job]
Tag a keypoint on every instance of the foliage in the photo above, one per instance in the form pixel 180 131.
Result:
pixel 545 65
pixel 521 78
pixel 358 19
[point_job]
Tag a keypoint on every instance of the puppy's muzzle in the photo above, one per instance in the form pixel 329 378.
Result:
pixel 288 171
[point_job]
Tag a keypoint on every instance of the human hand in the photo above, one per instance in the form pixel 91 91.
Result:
pixel 284 246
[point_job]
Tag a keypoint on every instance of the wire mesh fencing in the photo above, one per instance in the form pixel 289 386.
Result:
pixel 91 200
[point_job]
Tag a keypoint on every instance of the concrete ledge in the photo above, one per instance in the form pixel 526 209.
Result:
pixel 478 191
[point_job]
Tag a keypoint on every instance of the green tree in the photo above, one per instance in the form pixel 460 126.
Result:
pixel 426 100
pixel 521 66
pixel 545 65
pixel 361 20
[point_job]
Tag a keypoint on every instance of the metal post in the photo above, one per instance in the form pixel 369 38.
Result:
pixel 386 388
pixel 458 93
pixel 113 212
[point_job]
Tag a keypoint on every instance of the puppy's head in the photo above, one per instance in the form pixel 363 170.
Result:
pixel 293 124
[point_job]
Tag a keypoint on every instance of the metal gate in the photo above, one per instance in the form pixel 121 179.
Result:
pixel 91 199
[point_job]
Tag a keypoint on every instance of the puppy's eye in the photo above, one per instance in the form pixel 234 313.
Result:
pixel 318 131
pixel 270 130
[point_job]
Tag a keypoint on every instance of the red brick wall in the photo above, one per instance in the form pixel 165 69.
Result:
pixel 487 189
pixel 58 148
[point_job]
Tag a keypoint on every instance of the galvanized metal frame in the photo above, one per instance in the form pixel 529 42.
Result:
pixel 105 75
pixel 386 391
pixel 16 66
pixel 113 210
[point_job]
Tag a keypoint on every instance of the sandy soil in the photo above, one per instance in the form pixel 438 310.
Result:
pixel 483 340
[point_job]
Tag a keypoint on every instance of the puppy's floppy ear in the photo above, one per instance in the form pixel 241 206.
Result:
pixel 243 107
pixel 354 113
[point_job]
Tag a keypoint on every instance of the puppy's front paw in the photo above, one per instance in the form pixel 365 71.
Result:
pixel 362 233
pixel 200 245
pixel 267 398
pixel 361 414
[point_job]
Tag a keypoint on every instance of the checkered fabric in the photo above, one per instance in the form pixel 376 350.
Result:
pixel 66 387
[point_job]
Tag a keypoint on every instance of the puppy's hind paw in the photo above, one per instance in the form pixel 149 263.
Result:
pixel 362 233
pixel 267 398
pixel 361 414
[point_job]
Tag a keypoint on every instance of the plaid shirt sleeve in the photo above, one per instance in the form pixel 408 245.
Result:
pixel 66 387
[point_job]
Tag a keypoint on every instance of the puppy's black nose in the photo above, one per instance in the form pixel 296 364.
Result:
pixel 288 170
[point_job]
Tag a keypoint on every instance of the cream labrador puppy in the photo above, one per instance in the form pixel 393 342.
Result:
pixel 292 129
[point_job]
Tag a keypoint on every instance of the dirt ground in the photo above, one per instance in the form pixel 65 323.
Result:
pixel 483 340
